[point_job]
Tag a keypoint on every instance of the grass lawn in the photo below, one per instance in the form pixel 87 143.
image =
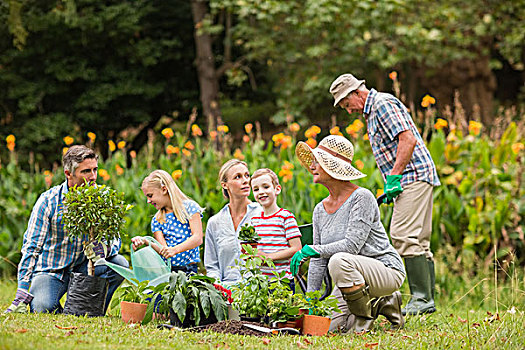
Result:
pixel 472 313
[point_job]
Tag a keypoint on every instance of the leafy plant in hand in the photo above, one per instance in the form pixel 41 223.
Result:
pixel 248 234
pixel 318 307
pixel 94 213
pixel 250 296
pixel 191 297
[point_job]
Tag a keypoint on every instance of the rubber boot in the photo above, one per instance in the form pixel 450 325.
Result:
pixel 432 271
pixel 390 307
pixel 360 305
pixel 419 281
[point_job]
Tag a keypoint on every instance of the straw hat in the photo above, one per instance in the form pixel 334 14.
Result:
pixel 334 154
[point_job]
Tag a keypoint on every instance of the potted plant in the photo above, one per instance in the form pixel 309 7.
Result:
pixel 283 304
pixel 188 301
pixel 317 322
pixel 250 295
pixel 93 214
pixel 247 235
pixel 133 300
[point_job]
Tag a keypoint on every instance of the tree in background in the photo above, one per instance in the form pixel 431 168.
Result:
pixel 74 66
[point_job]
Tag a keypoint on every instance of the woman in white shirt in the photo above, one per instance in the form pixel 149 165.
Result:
pixel 222 245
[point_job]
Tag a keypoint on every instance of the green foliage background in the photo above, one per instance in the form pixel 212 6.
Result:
pixel 479 207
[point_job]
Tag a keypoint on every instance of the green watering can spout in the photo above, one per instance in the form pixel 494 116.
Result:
pixel 147 264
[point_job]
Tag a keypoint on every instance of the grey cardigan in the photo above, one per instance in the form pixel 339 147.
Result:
pixel 355 228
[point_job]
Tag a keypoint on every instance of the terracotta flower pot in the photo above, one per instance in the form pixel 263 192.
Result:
pixel 132 312
pixel 315 325
pixel 288 324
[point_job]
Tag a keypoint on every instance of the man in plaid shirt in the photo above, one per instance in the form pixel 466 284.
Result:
pixel 410 175
pixel 49 254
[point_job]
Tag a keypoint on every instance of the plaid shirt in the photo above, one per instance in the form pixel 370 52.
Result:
pixel 47 248
pixel 386 118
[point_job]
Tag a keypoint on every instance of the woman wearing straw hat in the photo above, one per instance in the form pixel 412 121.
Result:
pixel 350 240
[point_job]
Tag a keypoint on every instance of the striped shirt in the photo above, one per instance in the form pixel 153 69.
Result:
pixel 47 248
pixel 275 231
pixel 386 118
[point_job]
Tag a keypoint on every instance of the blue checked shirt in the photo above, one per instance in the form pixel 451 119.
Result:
pixel 386 118
pixel 47 248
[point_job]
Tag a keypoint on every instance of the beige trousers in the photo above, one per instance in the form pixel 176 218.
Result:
pixel 411 225
pixel 348 270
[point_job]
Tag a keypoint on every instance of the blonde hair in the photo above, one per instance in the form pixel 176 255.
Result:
pixel 160 178
pixel 266 171
pixel 223 173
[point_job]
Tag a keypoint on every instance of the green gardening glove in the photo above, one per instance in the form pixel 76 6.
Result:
pixel 393 187
pixel 301 255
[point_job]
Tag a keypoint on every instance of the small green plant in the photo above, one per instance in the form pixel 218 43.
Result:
pixel 139 293
pixel 319 307
pixel 248 234
pixel 191 297
pixel 250 296
pixel 94 213
pixel 283 305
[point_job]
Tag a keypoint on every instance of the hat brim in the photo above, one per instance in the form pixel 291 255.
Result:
pixel 335 167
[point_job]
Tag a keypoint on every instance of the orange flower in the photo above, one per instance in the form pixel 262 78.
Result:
pixel 172 150
pixel 286 175
pixel 195 130
pixel 277 138
pixel 286 142
pixel 68 140
pixel 186 152
pixel 517 147
pixel 379 192
pixel 359 164
pixel 393 75
pixel 64 150
pixel 427 101
pixel 294 127
pixel 10 138
pixel 11 146
pixel 335 131
pixel 246 138
pixel 440 124
pixel 238 154
pixel 133 154
pixel 121 144
pixel 365 137
pixel 189 145
pixel 48 178
pixel 91 136
pixel 311 142
pixel 213 134
pixel 176 174
pixel 119 169
pixel 223 128
pixel 287 165
pixel 112 146
pixel 474 127
pixel 167 132
pixel 248 128
pixel 104 174
pixel 312 131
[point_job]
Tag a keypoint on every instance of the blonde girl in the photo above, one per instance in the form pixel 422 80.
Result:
pixel 177 224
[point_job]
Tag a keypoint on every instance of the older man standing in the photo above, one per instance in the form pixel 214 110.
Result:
pixel 410 175
pixel 49 254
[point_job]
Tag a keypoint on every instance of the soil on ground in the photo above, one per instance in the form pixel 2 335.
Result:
pixel 234 327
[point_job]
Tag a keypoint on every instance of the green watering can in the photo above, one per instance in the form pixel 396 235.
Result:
pixel 147 264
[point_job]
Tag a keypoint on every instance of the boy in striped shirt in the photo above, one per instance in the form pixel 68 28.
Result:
pixel 277 227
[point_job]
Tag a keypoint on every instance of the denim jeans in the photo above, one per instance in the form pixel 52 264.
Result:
pixel 189 270
pixel 48 290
